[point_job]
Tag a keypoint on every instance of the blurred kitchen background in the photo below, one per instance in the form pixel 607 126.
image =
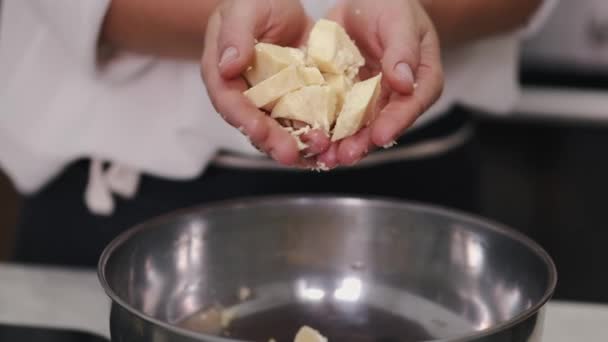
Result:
pixel 545 168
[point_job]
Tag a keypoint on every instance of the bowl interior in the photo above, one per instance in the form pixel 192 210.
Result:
pixel 354 269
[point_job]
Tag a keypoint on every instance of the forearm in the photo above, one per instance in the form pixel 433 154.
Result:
pixel 167 28
pixel 463 21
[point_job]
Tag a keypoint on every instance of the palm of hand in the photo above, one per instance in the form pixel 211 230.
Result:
pixel 392 36
pixel 231 34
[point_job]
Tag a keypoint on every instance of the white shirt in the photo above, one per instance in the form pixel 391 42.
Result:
pixel 149 115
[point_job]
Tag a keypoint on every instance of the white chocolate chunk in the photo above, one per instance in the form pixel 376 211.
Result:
pixel 287 80
pixel 358 108
pixel 307 334
pixel 270 59
pixel 297 134
pixel 309 75
pixel 340 84
pixel 312 75
pixel 208 322
pixel 332 50
pixel 244 293
pixel 301 145
pixel 321 167
pixel 314 105
pixel 227 316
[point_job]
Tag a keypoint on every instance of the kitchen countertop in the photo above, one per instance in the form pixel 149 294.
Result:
pixel 60 298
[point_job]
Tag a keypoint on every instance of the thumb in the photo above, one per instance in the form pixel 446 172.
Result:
pixel 241 23
pixel 401 55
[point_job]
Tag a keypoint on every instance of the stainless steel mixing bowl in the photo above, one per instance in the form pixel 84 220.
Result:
pixel 354 269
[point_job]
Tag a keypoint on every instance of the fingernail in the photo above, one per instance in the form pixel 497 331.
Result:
pixel 404 72
pixel 229 55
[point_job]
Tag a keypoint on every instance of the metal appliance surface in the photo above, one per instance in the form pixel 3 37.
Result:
pixel 447 276
pixel 574 36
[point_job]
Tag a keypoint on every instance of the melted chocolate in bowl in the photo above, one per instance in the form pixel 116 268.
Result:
pixel 355 324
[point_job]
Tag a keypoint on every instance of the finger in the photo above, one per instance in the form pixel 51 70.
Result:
pixel 317 141
pixel 280 145
pixel 262 130
pixel 308 25
pixel 400 40
pixel 354 148
pixel 402 110
pixel 330 157
pixel 226 96
pixel 242 23
pixel 307 164
pixel 371 68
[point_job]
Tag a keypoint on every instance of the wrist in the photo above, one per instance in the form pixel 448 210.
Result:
pixel 173 29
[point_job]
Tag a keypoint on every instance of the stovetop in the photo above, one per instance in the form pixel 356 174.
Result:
pixel 14 333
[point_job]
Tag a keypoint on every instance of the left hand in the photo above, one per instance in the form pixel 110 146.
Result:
pixel 398 39
pixel 232 31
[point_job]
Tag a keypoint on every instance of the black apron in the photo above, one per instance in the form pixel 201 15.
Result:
pixel 56 227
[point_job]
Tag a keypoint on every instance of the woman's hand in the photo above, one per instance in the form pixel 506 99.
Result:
pixel 398 39
pixel 232 32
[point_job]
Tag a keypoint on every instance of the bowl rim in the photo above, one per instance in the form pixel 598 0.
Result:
pixel 245 201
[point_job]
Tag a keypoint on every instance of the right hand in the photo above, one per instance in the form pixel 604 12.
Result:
pixel 398 39
pixel 232 32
